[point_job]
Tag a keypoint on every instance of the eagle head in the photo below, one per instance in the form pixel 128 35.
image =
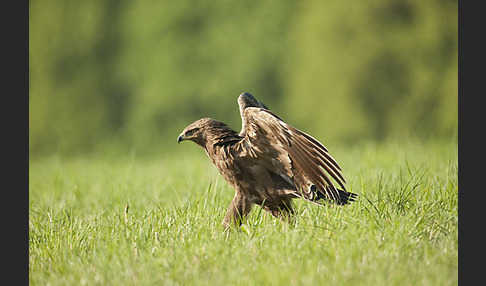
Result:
pixel 202 130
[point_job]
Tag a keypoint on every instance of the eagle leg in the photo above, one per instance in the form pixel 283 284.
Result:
pixel 240 207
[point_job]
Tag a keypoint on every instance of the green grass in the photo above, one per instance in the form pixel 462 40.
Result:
pixel 401 231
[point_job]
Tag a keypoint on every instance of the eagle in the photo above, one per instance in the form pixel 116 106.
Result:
pixel 268 163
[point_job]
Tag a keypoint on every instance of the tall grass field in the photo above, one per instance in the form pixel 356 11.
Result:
pixel 132 220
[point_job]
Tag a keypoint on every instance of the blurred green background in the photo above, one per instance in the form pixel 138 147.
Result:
pixel 130 75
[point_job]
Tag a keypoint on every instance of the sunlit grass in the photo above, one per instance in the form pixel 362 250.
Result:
pixel 137 221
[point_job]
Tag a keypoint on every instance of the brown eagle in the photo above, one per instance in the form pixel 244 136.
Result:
pixel 269 162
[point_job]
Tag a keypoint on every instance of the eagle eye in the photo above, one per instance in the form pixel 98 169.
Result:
pixel 190 132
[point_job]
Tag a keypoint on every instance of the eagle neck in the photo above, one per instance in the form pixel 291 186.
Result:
pixel 221 137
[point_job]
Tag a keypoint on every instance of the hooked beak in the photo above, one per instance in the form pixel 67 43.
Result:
pixel 180 138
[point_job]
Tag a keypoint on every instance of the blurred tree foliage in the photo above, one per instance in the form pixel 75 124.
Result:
pixel 132 74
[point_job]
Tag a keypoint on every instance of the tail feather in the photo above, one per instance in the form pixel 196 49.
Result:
pixel 345 197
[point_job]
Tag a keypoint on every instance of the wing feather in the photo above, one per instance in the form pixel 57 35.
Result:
pixel 319 147
pixel 316 160
pixel 310 162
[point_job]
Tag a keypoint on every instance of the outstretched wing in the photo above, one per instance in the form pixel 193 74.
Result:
pixel 293 154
